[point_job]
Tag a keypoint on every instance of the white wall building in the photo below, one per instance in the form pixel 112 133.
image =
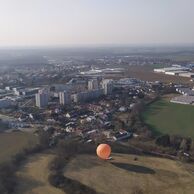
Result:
pixel 187 74
pixel 107 85
pixel 64 97
pixel 174 72
pixel 93 84
pixel 168 69
pixel 41 100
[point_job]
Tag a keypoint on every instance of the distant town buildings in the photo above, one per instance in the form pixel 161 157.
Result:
pixel 103 72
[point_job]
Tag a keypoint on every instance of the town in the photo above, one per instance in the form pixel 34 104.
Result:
pixel 96 97
pixel 85 106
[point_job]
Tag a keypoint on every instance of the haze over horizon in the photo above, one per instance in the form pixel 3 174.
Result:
pixel 87 22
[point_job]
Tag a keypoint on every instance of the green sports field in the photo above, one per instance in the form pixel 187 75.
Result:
pixel 165 117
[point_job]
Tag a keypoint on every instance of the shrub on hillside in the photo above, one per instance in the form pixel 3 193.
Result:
pixel 70 186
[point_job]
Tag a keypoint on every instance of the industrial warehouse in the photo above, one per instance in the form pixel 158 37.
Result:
pixel 176 71
pixel 187 96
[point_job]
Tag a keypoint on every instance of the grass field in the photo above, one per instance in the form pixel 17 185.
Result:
pixel 12 143
pixel 33 176
pixel 165 117
pixel 123 174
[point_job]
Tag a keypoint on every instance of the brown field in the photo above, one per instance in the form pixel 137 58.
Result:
pixel 14 142
pixel 146 73
pixel 33 176
pixel 124 175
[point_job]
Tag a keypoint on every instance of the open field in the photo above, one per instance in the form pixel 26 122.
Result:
pixel 124 175
pixel 146 73
pixel 33 176
pixel 182 57
pixel 12 143
pixel 165 117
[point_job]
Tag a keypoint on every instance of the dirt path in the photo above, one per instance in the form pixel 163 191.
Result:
pixel 33 176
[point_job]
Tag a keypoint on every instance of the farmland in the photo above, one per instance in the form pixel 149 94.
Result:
pixel 165 117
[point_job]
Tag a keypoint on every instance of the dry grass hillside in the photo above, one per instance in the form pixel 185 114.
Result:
pixel 124 175
pixel 33 176
pixel 12 143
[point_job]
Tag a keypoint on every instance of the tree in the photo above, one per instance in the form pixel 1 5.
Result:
pixel 67 148
pixel 163 140
pixel 175 141
pixel 186 144
pixel 44 138
pixel 138 108
pixel 183 145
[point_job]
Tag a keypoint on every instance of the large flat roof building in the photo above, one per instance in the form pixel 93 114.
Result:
pixel 168 69
pixel 183 100
pixel 187 74
pixel 185 91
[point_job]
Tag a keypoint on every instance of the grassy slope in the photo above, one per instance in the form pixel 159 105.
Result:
pixel 11 143
pixel 166 117
pixel 33 176
pixel 153 175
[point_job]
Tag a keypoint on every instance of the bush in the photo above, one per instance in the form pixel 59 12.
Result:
pixel 18 158
pixel 175 141
pixel 137 190
pixel 58 163
pixel 7 178
pixel 65 151
pixel 163 140
pixel 70 186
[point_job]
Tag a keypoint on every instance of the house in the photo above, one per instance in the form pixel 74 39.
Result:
pixel 122 135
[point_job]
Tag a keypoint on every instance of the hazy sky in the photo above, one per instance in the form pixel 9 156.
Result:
pixel 67 22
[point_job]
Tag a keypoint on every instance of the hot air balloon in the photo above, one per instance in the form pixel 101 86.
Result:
pixel 103 151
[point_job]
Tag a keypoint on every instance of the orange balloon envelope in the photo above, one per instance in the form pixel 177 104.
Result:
pixel 103 151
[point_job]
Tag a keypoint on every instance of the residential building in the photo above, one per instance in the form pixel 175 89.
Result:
pixel 107 85
pixel 5 103
pixel 93 84
pixel 88 95
pixel 64 97
pixel 41 100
